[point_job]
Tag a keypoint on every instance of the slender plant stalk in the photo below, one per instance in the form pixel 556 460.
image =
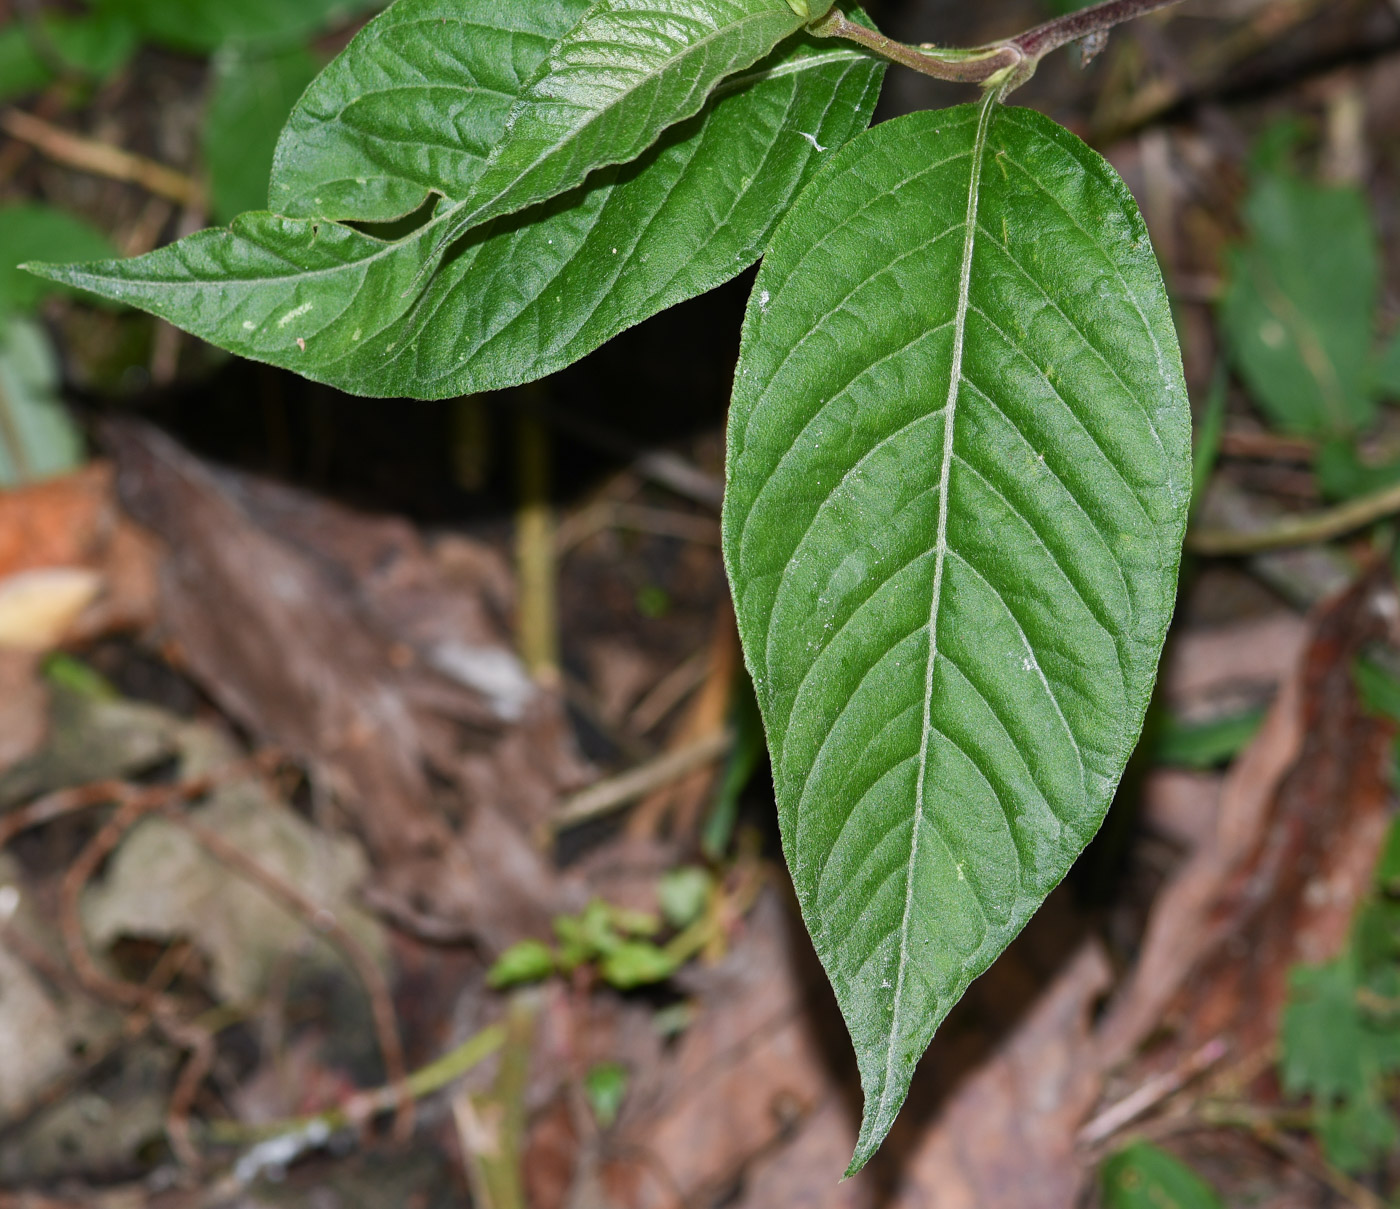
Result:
pixel 1300 531
pixel 1013 59
pixel 1100 18
pixel 437 1075
pixel 962 67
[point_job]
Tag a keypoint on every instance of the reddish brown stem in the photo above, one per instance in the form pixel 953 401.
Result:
pixel 986 63
pixel 1100 18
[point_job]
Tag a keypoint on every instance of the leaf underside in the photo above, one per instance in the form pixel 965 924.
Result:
pixel 413 107
pixel 958 482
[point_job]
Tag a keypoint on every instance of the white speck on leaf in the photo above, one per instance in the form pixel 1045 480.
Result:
pixel 811 138
pixel 303 309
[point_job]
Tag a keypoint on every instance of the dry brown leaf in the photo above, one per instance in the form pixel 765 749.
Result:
pixel 1259 652
pixel 318 629
pixel 1301 814
pixel 57 523
pixel 1004 1140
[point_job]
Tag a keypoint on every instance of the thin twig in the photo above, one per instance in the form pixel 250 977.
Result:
pixel 1100 18
pixel 1267 447
pixel 1268 1128
pixel 63 802
pixel 137 804
pixel 959 68
pixel 538 622
pixel 134 804
pixel 670 691
pixel 101 159
pixel 1306 530
pixel 366 1105
pixel 1150 1094
pixel 324 922
pixel 606 796
pixel 983 64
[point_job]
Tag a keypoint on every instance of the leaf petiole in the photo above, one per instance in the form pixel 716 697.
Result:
pixel 1011 62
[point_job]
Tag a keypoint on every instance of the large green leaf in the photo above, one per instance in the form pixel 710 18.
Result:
pixel 414 106
pixel 959 472
pixel 611 85
pixel 520 297
pixel 529 295
pixel 1299 307
pixel 268 288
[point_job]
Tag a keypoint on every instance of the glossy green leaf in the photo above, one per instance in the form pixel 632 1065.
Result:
pixel 626 72
pixel 1298 311
pixel 412 107
pixel 958 480
pixel 519 298
pixel 1143 1177
pixel 294 292
pixel 253 93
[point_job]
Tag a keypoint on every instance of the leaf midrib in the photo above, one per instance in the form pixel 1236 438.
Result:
pixel 979 148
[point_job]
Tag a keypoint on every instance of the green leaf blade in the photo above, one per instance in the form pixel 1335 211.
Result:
pixel 414 106
pixel 1141 1176
pixel 629 70
pixel 524 296
pixel 290 292
pixel 958 480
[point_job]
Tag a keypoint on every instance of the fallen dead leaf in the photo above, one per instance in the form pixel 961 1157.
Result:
pixel 1301 814
pixel 1004 1140
pixel 323 631
pixel 61 522
pixel 162 884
